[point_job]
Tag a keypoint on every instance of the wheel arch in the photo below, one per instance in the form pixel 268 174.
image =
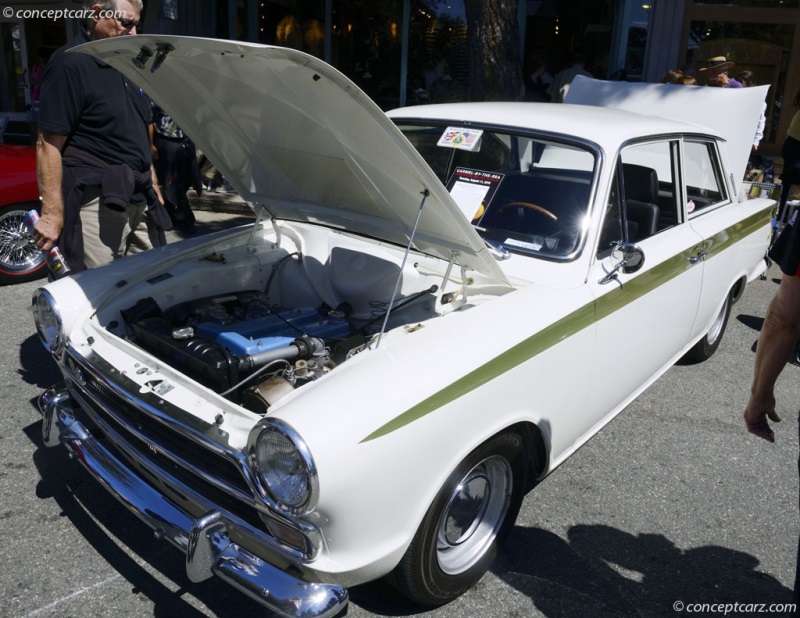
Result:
pixel 28 205
pixel 737 289
pixel 536 452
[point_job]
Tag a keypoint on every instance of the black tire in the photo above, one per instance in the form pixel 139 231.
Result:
pixel 705 348
pixel 438 567
pixel 20 259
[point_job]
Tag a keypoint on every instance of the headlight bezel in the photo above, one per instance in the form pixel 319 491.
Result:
pixel 261 470
pixel 54 344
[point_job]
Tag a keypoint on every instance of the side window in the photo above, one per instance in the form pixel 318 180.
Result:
pixel 643 200
pixel 704 185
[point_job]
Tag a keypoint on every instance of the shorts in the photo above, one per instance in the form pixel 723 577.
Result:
pixel 785 251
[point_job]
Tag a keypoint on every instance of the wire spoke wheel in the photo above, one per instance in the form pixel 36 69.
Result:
pixel 20 258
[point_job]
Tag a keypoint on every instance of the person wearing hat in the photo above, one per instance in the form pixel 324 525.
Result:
pixel 716 71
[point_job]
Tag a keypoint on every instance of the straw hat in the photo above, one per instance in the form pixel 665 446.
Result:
pixel 718 63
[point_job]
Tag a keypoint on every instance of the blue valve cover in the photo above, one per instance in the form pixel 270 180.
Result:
pixel 273 331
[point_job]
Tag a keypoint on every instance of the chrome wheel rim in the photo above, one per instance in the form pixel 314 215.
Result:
pixel 716 328
pixel 474 514
pixel 18 253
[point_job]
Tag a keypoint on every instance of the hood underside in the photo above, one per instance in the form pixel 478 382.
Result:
pixel 290 132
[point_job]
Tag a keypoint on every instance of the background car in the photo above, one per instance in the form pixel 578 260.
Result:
pixel 432 311
pixel 20 259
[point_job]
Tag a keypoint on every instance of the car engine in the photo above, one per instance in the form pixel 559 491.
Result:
pixel 243 346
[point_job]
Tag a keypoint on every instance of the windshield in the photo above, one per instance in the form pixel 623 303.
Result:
pixel 528 193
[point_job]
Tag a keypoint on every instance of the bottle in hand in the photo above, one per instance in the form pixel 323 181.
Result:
pixel 55 259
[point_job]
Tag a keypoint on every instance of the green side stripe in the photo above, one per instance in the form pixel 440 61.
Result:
pixel 509 359
pixel 727 237
pixel 569 325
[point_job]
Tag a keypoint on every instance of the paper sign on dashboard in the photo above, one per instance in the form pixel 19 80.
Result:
pixel 472 190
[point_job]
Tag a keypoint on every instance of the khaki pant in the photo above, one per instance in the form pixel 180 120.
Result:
pixel 110 234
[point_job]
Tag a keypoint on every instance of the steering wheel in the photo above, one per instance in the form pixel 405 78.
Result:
pixel 530 206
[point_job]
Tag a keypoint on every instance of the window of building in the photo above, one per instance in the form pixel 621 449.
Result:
pixel 298 24
pixel 782 4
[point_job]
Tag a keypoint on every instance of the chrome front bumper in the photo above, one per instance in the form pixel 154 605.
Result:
pixel 209 550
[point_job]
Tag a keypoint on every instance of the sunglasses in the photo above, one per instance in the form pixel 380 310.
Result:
pixel 128 24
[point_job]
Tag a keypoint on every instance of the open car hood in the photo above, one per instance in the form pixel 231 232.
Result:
pixel 292 133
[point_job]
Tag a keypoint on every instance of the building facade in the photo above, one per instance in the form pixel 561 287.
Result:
pixel 403 52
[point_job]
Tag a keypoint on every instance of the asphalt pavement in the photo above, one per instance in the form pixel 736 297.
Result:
pixel 672 509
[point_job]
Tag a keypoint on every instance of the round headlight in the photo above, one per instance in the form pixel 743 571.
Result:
pixel 285 468
pixel 47 318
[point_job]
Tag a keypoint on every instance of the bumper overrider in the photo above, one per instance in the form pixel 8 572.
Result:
pixel 205 540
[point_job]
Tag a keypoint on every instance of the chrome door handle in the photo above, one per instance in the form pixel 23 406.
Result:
pixel 699 257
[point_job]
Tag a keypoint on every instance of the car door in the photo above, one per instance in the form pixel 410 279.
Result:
pixel 734 233
pixel 645 316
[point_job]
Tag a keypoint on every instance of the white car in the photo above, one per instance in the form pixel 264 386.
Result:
pixel 432 311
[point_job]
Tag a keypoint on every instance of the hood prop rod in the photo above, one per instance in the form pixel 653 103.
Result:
pixel 262 214
pixel 425 194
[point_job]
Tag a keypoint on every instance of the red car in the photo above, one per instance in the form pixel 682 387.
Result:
pixel 20 259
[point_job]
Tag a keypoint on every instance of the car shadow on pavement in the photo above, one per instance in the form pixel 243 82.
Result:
pixel 602 571
pixel 36 365
pixel 122 541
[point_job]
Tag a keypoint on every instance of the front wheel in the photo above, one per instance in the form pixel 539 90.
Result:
pixel 20 259
pixel 468 521
pixel 705 348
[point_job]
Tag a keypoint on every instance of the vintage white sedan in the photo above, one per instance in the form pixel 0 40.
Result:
pixel 431 312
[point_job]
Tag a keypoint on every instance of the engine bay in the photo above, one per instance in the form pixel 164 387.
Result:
pixel 243 346
pixel 253 349
pixel 253 327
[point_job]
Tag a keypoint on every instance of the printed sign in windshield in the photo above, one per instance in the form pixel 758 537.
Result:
pixel 463 139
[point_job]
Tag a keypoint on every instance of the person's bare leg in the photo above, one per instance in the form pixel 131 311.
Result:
pixel 775 343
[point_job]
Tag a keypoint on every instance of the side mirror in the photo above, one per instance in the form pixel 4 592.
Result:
pixel 630 259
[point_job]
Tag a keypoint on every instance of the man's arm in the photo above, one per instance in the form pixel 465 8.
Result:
pixel 153 149
pixel 155 183
pixel 48 173
pixel 153 157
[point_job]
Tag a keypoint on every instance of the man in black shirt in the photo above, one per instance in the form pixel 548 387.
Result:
pixel 93 151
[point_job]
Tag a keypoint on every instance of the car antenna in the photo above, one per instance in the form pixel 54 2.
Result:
pixel 425 194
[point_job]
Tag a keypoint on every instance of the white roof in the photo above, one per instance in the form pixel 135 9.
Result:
pixel 608 128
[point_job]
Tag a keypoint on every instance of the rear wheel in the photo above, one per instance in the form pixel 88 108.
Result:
pixel 468 521
pixel 20 259
pixel 706 347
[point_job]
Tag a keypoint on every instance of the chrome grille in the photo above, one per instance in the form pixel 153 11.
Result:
pixel 164 438
pixel 137 432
